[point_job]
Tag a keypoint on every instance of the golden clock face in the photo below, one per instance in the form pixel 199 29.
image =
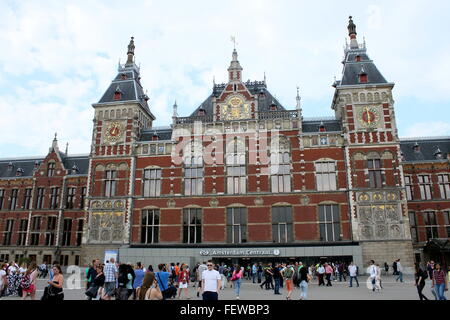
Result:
pixel 235 109
pixel 113 132
pixel 369 117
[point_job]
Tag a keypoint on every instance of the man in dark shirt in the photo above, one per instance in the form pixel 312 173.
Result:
pixel 277 278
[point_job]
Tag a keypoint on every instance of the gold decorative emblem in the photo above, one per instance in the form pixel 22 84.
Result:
pixel 113 132
pixel 107 205
pixel 118 204
pixel 235 109
pixel 96 205
pixel 391 196
pixel 378 197
pixel 364 197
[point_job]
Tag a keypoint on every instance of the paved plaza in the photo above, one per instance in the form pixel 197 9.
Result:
pixel 392 290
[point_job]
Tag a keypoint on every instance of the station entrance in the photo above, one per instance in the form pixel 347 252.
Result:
pixel 243 262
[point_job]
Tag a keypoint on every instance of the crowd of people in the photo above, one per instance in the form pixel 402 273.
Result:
pixel 119 281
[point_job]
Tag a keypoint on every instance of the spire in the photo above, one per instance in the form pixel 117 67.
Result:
pixel 352 34
pixel 175 113
pixel 130 52
pixel 67 148
pixel 55 147
pixel 235 69
pixel 299 99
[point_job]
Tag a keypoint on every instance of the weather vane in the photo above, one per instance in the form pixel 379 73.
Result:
pixel 233 39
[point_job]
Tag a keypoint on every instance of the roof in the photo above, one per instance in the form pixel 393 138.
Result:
pixel 163 134
pixel 312 126
pixel 425 149
pixel 28 165
pixel 353 68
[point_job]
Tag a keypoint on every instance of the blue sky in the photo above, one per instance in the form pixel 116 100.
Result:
pixel 58 57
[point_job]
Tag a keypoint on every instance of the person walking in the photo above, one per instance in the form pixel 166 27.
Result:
pixel 211 282
pixel 3 278
pixel 420 277
pixel 236 278
pixel 288 275
pixel 122 282
pixel 352 271
pixel 111 275
pixel 394 266
pixel 254 272
pixel 28 283
pixel 378 286
pixel 56 291
pixel 277 278
pixel 320 275
pixel 304 280
pixel 386 268
pixel 200 270
pixel 399 271
pixel 260 272
pixel 440 283
pixel 183 282
pixel 328 273
pixel 372 271
pixel 139 278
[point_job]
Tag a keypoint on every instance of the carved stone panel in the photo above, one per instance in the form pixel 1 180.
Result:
pixel 367 233
pixel 106 227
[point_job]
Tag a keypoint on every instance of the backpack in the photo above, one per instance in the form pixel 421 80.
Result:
pixel 288 273
pixel 123 280
pixel 26 282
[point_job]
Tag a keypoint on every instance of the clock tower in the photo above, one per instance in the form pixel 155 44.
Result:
pixel 364 104
pixel 120 117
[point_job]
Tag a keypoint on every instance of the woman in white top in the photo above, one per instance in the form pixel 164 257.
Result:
pixel 3 279
pixel 378 278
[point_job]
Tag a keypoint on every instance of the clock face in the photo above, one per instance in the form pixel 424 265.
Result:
pixel 113 132
pixel 235 109
pixel 369 117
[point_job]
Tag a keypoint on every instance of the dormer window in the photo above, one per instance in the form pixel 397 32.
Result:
pixel 155 137
pixel 36 165
pixel 273 107
pixel 438 154
pixel 416 148
pixel 201 112
pixel 75 169
pixel 322 128
pixel 19 172
pixel 10 166
pixel 123 76
pixel 118 94
pixel 358 58
pixel 363 78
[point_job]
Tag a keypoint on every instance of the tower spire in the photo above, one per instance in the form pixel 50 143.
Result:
pixel 130 52
pixel 55 144
pixel 352 34
pixel 235 69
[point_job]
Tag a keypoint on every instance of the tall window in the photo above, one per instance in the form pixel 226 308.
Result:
pixel 329 223
pixel 14 196
pixel 280 171
pixel 35 231
pixel 51 169
pixel 8 232
pixel 444 186
pixel 2 197
pixel 326 176
pixel 83 196
pixel 282 229
pixel 375 175
pixel 27 199
pixel 80 232
pixel 40 198
pixel 150 226
pixel 413 224
pixel 110 183
pixel 67 234
pixel 70 197
pixel 21 240
pixel 431 225
pixel 425 187
pixel 193 176
pixel 54 197
pixel 236 167
pixel 237 225
pixel 447 222
pixel 51 231
pixel 192 225
pixel 409 188
pixel 152 183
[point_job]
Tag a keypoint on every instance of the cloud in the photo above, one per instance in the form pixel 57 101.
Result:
pixel 428 129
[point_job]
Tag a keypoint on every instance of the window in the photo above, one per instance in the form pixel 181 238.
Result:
pixel 282 231
pixel 27 199
pixel 280 170
pixel 375 176
pixel 237 225
pixel 8 232
pixel 329 223
pixel 110 183
pixel 67 233
pixel 326 176
pixel 51 169
pixel 444 186
pixel 413 224
pixel 80 232
pixel 431 225
pixel 35 230
pixel 83 196
pixel 2 197
pixel 22 234
pixel 236 168
pixel 425 187
pixel 409 188
pixel 70 197
pixel 40 198
pixel 447 222
pixel 54 196
pixel 152 183
pixel 192 225
pixel 64 260
pixel 50 232
pixel 14 196
pixel 193 176
pixel 150 226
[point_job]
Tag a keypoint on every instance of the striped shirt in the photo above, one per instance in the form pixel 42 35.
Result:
pixel 439 277
pixel 110 272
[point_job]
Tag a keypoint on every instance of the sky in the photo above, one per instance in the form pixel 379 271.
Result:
pixel 57 58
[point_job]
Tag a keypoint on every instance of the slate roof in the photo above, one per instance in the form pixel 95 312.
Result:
pixel 163 134
pixel 312 126
pixel 82 162
pixel 427 148
pixel 265 98
pixel 352 69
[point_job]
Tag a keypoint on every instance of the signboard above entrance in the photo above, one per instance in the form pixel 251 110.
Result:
pixel 239 253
